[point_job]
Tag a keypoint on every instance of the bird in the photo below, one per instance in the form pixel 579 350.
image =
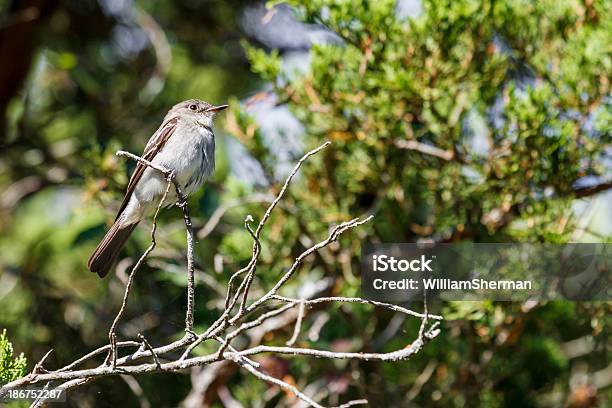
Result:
pixel 183 144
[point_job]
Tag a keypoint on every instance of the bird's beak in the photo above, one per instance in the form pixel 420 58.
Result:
pixel 216 108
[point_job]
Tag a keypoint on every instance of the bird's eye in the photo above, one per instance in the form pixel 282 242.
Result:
pixel 193 107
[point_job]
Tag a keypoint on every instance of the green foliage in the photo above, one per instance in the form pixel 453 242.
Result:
pixel 266 65
pixel 519 78
pixel 11 367
pixel 425 79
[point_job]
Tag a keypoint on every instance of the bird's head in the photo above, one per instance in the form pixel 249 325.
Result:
pixel 200 111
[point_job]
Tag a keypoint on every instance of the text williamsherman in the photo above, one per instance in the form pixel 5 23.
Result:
pixel 449 284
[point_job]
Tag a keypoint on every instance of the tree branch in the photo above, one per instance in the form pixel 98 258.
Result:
pixel 232 322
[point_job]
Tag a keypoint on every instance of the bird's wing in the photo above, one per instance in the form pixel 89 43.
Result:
pixel 155 144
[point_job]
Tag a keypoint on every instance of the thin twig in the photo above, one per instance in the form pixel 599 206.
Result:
pixel 96 352
pixel 231 348
pixel 291 388
pixel 38 368
pixel 266 216
pixel 390 306
pixel 182 203
pixel 147 345
pixel 425 149
pixel 163 170
pixel 425 312
pixel 298 324
pixel 402 354
pixel 333 236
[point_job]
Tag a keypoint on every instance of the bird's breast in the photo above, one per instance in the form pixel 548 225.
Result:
pixel 190 153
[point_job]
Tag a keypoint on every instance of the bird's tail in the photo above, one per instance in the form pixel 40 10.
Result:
pixel 107 251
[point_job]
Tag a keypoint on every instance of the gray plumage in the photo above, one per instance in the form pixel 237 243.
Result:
pixel 185 144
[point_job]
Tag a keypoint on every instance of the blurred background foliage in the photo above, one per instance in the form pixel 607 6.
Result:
pixel 486 121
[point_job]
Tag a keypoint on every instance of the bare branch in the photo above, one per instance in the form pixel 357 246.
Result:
pixel 146 345
pixel 38 368
pixel 286 185
pixel 182 203
pixel 298 325
pixel 402 354
pixel 280 383
pixel 390 306
pixel 271 311
pixel 97 352
pixel 335 233
pixel 132 156
pixel 425 149
pixel 256 247
pixel 291 388
pixel 426 317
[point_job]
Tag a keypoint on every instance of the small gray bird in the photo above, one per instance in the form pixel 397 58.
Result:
pixel 185 144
